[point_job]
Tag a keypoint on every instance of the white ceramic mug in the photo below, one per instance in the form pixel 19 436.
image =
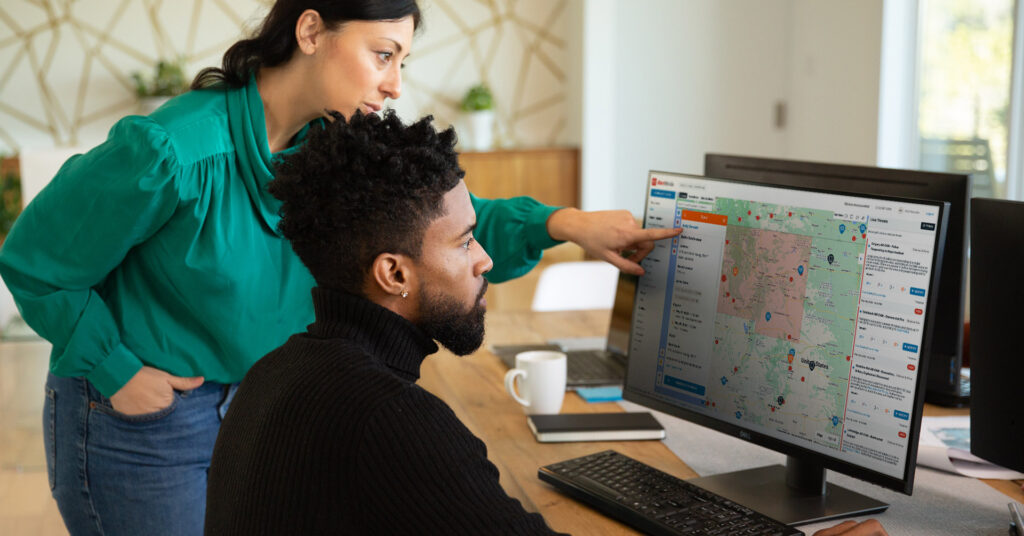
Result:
pixel 542 381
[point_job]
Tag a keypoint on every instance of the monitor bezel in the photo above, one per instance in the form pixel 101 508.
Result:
pixel 942 387
pixel 905 484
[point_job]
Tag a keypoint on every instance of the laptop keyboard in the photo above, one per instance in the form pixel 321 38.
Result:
pixel 584 368
pixel 595 366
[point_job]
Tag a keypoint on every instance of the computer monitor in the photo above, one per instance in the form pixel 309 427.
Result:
pixel 997 370
pixel 795 319
pixel 945 385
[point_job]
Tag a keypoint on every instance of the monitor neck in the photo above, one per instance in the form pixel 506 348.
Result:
pixel 805 476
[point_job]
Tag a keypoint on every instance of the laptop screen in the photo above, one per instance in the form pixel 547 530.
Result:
pixel 622 314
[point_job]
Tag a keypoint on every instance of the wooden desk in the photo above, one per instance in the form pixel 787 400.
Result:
pixel 1011 488
pixel 473 387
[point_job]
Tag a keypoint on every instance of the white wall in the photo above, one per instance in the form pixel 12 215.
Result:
pixel 598 100
pixel 836 55
pixel 898 137
pixel 695 76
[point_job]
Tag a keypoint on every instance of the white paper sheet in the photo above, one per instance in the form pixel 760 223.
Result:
pixel 945 445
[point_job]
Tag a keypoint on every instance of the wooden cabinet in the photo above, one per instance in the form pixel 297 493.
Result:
pixel 9 165
pixel 551 176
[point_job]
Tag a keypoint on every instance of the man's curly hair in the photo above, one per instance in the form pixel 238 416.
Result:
pixel 362 187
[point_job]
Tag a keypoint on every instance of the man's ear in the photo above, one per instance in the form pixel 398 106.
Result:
pixel 392 274
pixel 309 31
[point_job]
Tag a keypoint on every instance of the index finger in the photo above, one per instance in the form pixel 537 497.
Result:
pixel 656 234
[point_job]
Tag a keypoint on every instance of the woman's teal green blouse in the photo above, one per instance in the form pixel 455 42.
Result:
pixel 160 247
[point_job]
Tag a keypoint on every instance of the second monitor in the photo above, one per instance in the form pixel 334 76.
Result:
pixel 945 385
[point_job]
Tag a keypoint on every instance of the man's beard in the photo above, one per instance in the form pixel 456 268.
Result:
pixel 447 321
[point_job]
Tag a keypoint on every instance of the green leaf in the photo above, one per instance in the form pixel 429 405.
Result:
pixel 478 98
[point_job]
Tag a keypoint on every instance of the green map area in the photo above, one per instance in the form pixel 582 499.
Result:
pixel 786 316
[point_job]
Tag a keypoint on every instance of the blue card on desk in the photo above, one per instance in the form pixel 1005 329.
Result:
pixel 600 394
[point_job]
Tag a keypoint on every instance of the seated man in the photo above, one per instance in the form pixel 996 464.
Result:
pixel 329 434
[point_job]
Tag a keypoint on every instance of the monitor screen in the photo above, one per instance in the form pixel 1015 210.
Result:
pixel 792 318
pixel 946 359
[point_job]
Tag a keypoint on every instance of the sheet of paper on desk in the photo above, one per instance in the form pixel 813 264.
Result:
pixel 946 445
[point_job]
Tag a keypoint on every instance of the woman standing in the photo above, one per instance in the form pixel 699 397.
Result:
pixel 154 265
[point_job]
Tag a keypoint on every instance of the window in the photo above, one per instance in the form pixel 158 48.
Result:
pixel 965 60
pixel 949 101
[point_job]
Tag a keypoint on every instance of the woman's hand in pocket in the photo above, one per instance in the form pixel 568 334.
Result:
pixel 150 390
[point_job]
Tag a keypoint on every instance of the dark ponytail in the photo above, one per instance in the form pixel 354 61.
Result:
pixel 274 42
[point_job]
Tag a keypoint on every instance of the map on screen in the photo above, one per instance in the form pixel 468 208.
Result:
pixel 791 279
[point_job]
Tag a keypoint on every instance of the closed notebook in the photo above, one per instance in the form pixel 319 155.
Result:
pixel 595 427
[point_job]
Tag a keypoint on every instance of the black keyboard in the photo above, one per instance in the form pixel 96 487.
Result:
pixel 652 501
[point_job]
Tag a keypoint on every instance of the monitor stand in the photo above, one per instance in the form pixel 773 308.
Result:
pixel 794 494
pixel 947 400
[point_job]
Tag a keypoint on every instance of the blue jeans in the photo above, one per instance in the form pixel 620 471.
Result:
pixel 141 474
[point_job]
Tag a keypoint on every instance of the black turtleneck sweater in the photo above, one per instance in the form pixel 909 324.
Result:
pixel 329 434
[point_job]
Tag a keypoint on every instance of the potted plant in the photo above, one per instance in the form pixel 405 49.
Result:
pixel 10 201
pixel 479 107
pixel 10 208
pixel 167 81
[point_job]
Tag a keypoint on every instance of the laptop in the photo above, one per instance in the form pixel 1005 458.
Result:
pixel 596 366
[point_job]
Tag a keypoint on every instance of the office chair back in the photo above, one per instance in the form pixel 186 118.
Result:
pixel 572 286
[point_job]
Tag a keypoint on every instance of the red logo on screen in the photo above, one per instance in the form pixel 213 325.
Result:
pixel 918 312
pixel 911 367
pixel 903 434
pixel 654 181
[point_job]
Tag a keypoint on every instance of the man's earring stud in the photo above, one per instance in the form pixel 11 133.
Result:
pixel 405 293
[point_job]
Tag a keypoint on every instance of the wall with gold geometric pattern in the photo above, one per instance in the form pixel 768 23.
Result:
pixel 65 65
pixel 527 51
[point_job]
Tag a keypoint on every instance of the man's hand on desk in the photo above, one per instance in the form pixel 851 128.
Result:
pixel 870 527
